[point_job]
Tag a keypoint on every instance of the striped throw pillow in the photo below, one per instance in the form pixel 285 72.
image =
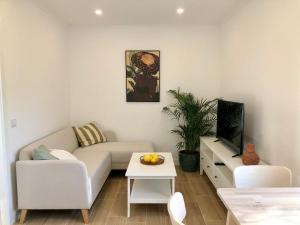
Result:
pixel 89 134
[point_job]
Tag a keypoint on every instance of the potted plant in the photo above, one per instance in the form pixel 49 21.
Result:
pixel 195 118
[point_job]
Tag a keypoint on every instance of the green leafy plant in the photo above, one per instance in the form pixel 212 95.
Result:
pixel 195 118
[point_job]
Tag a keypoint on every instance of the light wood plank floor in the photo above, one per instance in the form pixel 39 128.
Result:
pixel 110 208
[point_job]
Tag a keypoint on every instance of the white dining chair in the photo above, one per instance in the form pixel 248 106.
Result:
pixel 262 176
pixel 176 209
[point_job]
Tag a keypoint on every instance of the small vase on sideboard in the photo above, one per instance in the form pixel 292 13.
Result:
pixel 250 157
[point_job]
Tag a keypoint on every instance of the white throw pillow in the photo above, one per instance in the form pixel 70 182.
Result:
pixel 62 154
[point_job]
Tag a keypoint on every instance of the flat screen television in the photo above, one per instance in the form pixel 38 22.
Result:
pixel 230 125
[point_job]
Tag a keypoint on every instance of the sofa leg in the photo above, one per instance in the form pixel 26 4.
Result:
pixel 23 216
pixel 85 216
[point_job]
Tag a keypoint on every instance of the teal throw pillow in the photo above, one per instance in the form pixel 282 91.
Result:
pixel 42 153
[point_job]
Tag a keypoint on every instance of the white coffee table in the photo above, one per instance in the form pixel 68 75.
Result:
pixel 151 184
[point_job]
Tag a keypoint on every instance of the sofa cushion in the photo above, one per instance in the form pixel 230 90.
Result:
pixel 62 139
pixel 89 134
pixel 42 153
pixel 62 154
pixel 98 165
pixel 121 151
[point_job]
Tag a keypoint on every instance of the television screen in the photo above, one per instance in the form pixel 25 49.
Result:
pixel 230 124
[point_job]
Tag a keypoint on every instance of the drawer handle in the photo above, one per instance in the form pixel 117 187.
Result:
pixel 202 158
pixel 216 177
pixel 208 166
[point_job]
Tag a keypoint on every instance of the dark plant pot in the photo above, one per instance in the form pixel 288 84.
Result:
pixel 189 160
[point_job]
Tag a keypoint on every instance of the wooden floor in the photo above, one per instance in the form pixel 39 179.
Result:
pixel 110 208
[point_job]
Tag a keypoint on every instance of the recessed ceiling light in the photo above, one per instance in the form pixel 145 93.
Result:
pixel 180 10
pixel 98 12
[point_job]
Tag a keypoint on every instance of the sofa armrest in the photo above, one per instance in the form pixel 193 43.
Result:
pixel 53 184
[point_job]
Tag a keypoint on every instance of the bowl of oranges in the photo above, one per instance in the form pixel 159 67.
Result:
pixel 152 159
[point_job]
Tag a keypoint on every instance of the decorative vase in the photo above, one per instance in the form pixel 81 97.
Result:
pixel 250 157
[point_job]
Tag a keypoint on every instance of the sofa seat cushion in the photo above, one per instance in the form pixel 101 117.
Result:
pixel 98 165
pixel 121 151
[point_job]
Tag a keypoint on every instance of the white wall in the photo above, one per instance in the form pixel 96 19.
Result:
pixel 34 65
pixel 189 59
pixel 261 67
pixel 4 187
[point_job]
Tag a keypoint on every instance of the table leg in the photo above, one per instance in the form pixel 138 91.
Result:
pixel 173 185
pixel 128 197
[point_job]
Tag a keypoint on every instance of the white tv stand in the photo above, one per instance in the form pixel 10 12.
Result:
pixel 212 152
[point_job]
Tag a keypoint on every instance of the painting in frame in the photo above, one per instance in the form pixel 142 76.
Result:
pixel 142 75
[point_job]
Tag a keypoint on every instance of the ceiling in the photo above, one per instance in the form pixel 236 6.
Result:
pixel 124 12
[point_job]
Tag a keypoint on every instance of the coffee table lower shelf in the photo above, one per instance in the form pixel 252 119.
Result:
pixel 150 191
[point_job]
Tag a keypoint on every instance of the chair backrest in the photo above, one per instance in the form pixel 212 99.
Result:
pixel 176 209
pixel 262 176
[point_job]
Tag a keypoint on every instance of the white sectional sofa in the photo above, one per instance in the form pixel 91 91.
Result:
pixel 69 184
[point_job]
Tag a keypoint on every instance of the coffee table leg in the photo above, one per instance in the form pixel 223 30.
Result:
pixel 128 197
pixel 173 185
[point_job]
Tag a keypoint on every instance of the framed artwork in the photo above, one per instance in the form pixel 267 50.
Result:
pixel 142 75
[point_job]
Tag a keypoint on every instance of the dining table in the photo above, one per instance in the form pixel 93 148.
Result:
pixel 261 206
